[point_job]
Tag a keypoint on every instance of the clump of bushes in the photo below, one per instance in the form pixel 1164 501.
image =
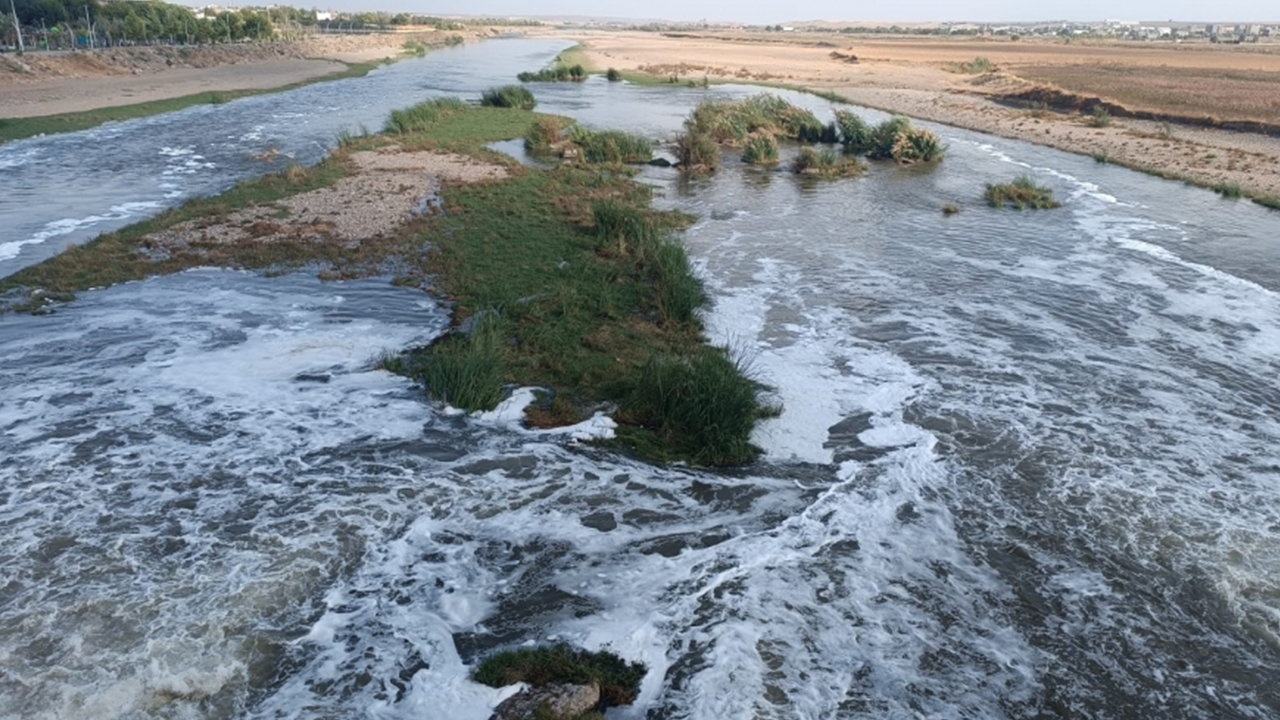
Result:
pixel 559 73
pixel 1100 118
pixel 760 150
pixel 613 75
pixel 896 139
pixel 697 152
pixel 509 96
pixel 855 133
pixel 1229 190
pixel 423 115
pixel 976 66
pixel 1021 193
pixel 611 146
pixel 618 679
pixel 825 164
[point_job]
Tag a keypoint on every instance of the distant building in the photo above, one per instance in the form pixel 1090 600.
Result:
pixel 323 16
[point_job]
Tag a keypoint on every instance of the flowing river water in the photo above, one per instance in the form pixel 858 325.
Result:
pixel 1027 466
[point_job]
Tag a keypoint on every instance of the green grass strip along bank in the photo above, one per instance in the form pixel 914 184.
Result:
pixel 562 278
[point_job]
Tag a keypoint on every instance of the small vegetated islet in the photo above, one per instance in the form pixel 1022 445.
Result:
pixel 826 163
pixel 1022 193
pixel 559 73
pixel 613 75
pixel 896 139
pixel 619 680
pixel 509 96
pixel 611 146
pixel 951 209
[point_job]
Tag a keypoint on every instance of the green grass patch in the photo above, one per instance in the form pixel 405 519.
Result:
pixel 19 128
pixel 1268 201
pixel 1229 190
pixel 509 96
pixel 826 164
pixel 760 150
pixel 618 679
pixel 697 152
pixel 419 117
pixel 611 146
pixel 545 134
pixel 465 371
pixel 731 122
pixel 1022 193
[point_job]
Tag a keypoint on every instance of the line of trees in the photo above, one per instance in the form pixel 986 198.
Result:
pixel 69 24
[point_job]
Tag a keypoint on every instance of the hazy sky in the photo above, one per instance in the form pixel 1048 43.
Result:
pixel 757 11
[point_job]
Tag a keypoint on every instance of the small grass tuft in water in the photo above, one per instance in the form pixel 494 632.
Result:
pixel 1229 190
pixel 950 209
pixel 731 122
pixel 855 133
pixel 618 679
pixel 1021 193
pixel 545 134
pixel 826 164
pixel 509 96
pixel 1101 156
pixel 760 150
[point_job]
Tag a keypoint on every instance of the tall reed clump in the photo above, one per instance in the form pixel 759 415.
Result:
pixel 855 133
pixel 464 371
pixel 545 134
pixel 896 139
pixel 623 228
pixel 611 146
pixel 423 115
pixel 613 75
pixel 1021 193
pixel 1229 190
pixel 629 231
pixel 731 122
pixel 760 150
pixel 826 164
pixel 509 96
pixel 702 403
pixel 697 152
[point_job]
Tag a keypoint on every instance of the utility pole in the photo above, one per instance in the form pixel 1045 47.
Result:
pixel 88 26
pixel 17 27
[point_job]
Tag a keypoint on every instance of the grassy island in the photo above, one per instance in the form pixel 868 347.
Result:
pixel 562 278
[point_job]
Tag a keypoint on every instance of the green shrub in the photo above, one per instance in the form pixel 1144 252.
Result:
pixel 896 139
pixel 826 164
pixel 613 75
pixel 855 133
pixel 618 679
pixel 731 122
pixel 697 152
pixel 702 403
pixel 465 372
pixel 423 115
pixel 1021 193
pixel 509 96
pixel 1100 117
pixel 611 146
pixel 558 73
pixel 1229 190
pixel 1101 156
pixel 760 150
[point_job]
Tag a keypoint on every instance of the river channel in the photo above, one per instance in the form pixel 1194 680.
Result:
pixel 1027 467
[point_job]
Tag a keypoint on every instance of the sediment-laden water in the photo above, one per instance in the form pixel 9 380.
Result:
pixel 1027 466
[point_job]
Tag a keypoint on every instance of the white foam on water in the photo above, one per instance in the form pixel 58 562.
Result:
pixel 66 226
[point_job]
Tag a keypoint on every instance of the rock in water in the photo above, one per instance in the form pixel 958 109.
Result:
pixel 561 700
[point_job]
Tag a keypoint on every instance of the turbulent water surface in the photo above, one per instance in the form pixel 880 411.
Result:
pixel 1027 466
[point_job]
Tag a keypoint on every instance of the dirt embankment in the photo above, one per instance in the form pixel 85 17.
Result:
pixel 39 67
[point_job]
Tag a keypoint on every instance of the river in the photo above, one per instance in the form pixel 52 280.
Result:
pixel 1027 466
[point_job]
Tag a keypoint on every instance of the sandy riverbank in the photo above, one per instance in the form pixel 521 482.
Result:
pixel 913 77
pixel 40 84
